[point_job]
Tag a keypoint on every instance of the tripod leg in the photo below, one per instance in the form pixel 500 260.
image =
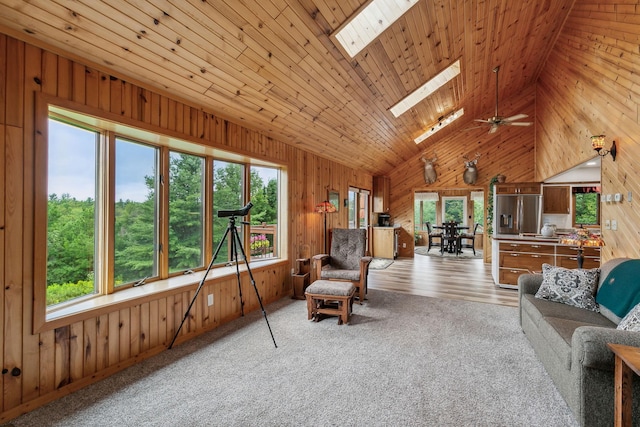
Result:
pixel 193 300
pixel 234 233
pixel 234 256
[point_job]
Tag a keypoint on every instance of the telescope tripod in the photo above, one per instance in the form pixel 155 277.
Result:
pixel 236 243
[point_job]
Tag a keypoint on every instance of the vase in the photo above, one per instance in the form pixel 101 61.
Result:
pixel 548 230
pixel 501 178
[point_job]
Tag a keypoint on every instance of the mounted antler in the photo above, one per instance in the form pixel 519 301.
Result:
pixel 430 175
pixel 470 174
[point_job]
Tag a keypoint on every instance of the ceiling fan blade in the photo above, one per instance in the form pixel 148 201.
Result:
pixel 516 117
pixel 483 121
pixel 519 123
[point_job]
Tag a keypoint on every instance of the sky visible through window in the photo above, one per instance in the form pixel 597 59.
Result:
pixel 72 168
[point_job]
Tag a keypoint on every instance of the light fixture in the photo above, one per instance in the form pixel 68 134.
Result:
pixel 324 208
pixel 426 89
pixel 597 143
pixel 368 23
pixel 441 124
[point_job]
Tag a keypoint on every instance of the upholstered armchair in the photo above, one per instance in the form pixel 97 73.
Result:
pixel 346 260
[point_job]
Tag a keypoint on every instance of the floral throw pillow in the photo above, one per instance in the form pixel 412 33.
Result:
pixel 572 287
pixel 631 322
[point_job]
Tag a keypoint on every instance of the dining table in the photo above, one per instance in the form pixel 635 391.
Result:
pixel 451 239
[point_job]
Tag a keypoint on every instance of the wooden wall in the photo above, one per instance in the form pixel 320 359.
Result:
pixel 41 367
pixel 590 85
pixel 509 151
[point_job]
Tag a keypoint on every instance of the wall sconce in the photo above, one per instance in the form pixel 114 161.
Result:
pixel 597 143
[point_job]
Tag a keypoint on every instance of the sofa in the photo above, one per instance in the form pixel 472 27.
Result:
pixel 571 340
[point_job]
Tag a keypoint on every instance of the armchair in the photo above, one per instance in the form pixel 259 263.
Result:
pixel 346 260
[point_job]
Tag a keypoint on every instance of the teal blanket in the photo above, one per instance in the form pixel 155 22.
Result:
pixel 620 289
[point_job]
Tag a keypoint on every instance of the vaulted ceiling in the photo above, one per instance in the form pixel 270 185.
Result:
pixel 273 66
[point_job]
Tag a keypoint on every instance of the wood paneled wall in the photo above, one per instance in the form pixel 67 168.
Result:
pixel 509 151
pixel 589 86
pixel 41 367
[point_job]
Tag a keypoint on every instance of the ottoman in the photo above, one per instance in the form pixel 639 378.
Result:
pixel 330 297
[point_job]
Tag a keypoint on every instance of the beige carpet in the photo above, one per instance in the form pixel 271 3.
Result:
pixel 404 360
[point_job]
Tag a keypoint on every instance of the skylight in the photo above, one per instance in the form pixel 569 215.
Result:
pixel 426 89
pixel 366 25
pixel 440 125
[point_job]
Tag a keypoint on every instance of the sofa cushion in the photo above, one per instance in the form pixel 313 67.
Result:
pixel 539 309
pixel 631 321
pixel 572 287
pixel 619 291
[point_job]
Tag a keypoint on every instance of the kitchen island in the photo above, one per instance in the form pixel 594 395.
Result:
pixel 513 255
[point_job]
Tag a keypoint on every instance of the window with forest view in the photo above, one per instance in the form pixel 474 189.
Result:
pixel 586 206
pixel 186 211
pixel 424 210
pixel 105 230
pixel 71 212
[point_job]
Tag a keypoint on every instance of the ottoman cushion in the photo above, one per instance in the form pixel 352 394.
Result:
pixel 330 287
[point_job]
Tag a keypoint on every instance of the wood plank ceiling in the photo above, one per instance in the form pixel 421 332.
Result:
pixel 271 65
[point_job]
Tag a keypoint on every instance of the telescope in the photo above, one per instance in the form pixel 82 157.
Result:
pixel 238 212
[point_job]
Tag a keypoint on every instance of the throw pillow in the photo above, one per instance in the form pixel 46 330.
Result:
pixel 631 321
pixel 572 287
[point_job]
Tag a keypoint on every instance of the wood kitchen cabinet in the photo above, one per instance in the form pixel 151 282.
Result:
pixel 567 256
pixel 518 188
pixel 518 256
pixel 385 242
pixel 556 199
pixel 381 190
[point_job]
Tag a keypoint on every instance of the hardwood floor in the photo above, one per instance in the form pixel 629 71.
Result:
pixel 433 276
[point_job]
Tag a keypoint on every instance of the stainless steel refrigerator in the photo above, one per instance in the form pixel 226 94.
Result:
pixel 517 213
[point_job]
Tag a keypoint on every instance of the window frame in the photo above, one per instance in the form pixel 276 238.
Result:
pixel 45 318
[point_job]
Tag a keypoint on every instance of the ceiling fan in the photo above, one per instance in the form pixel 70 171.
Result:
pixel 496 121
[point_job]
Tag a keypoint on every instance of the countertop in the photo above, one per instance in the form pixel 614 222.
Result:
pixel 538 238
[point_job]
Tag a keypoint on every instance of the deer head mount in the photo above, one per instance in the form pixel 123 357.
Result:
pixel 430 175
pixel 470 174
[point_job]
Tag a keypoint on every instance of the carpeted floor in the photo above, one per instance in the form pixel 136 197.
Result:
pixel 466 253
pixel 403 361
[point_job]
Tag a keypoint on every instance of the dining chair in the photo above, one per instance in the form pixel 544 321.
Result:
pixel 433 235
pixel 469 239
pixel 450 238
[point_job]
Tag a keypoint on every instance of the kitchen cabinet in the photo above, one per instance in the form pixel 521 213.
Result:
pixel 556 199
pixel 518 188
pixel 512 257
pixel 518 258
pixel 385 242
pixel 381 190
pixel 567 256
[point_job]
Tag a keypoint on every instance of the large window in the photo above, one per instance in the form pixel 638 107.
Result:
pixel 136 212
pixel 126 207
pixel 424 210
pixel 186 211
pixel 454 208
pixel 71 212
pixel 477 199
